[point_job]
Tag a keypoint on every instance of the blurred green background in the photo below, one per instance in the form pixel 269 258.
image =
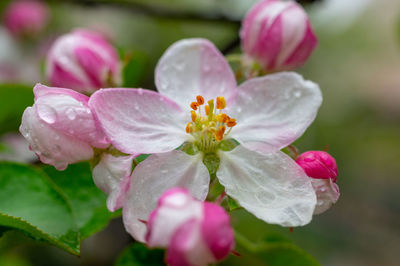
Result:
pixel 356 64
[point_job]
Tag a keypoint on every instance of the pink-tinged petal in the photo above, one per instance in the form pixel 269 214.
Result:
pixel 217 231
pixel 303 49
pixel 139 121
pixel 173 210
pixel 65 113
pixel 112 175
pixel 61 77
pixel 83 61
pixel 274 110
pixel 270 186
pixel 52 146
pixel 41 90
pixel 318 164
pixel 278 35
pixel 153 177
pixel 92 63
pixel 188 247
pixel 327 194
pixel 194 67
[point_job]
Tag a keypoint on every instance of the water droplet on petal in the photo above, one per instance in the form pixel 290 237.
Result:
pixel 47 113
pixel 71 114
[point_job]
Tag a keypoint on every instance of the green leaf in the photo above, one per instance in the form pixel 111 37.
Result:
pixel 274 250
pixel 87 201
pixel 15 99
pixel 138 254
pixel 135 69
pixel 31 202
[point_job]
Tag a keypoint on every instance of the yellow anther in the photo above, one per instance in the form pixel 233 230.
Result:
pixel 231 122
pixel 219 135
pixel 207 108
pixel 193 115
pixel 200 99
pixel 221 103
pixel 189 128
pixel 194 105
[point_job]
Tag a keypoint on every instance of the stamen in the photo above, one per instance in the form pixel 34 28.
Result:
pixel 231 122
pixel 207 109
pixel 194 105
pixel 211 109
pixel 219 135
pixel 223 118
pixel 189 128
pixel 221 103
pixel 212 127
pixel 200 99
pixel 193 115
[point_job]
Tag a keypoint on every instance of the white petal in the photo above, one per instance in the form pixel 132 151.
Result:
pixel 139 121
pixel 112 176
pixel 270 186
pixel 194 67
pixel 153 177
pixel 327 194
pixel 274 110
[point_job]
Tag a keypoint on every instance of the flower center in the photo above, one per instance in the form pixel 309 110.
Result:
pixel 209 127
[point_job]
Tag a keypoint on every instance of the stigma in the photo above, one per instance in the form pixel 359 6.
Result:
pixel 209 126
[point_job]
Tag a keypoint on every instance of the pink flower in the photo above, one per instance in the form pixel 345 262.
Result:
pixel 265 115
pixel 60 127
pixel 83 61
pixel 113 176
pixel 26 17
pixel 278 35
pixel 322 169
pixel 195 232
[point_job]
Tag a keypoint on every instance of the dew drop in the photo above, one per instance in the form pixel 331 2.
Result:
pixel 140 91
pixel 47 113
pixel 71 114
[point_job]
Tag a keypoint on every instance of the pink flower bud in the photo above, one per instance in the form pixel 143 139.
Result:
pixel 83 61
pixel 195 232
pixel 318 164
pixel 322 169
pixel 26 17
pixel 278 35
pixel 327 194
pixel 60 127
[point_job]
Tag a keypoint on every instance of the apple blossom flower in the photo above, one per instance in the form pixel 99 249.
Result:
pixel 60 127
pixel 194 232
pixel 322 169
pixel 278 35
pixel 26 17
pixel 112 175
pixel 197 91
pixel 82 60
